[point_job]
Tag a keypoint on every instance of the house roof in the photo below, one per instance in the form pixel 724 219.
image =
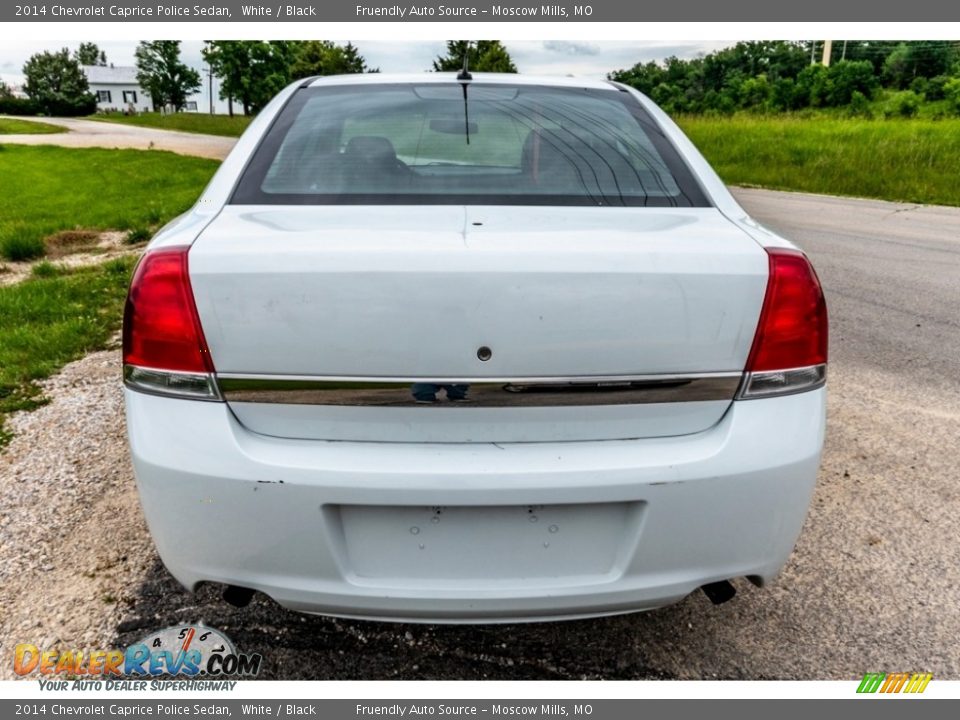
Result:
pixel 122 75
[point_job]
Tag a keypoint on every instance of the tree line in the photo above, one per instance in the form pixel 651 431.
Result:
pixel 768 76
pixel 780 76
pixel 250 72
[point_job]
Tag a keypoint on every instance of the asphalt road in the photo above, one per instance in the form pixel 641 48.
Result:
pixel 874 584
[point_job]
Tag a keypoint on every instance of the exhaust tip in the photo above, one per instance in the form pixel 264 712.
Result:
pixel 719 592
pixel 237 596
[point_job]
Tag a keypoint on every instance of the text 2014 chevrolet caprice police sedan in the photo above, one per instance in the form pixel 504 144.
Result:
pixel 472 349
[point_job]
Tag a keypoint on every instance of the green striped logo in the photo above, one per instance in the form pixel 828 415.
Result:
pixel 871 682
pixel 894 682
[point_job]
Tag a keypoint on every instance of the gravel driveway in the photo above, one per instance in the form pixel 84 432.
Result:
pixel 92 133
pixel 873 585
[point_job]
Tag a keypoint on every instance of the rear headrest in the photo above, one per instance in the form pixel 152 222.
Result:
pixel 371 147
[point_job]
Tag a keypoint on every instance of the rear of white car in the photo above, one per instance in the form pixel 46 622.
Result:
pixel 486 350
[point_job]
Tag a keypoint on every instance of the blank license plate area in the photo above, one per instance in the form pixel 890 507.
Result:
pixel 500 545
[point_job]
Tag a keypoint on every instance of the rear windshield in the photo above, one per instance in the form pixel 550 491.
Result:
pixel 466 144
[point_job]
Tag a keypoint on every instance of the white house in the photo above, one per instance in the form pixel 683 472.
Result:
pixel 117 88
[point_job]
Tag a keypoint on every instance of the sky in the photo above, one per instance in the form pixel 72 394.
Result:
pixel 547 57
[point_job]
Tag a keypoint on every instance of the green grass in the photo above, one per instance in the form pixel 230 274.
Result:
pixel 46 268
pixel 137 235
pixel 51 319
pixel 9 126
pixel 48 189
pixel 19 246
pixel 185 122
pixel 58 315
pixel 902 160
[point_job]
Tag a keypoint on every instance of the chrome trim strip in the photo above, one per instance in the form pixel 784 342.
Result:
pixel 671 377
pixel 478 392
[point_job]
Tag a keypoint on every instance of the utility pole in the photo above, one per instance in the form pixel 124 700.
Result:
pixel 210 87
pixel 843 55
pixel 827 48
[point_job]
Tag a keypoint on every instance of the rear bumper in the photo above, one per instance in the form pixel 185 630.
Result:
pixel 474 532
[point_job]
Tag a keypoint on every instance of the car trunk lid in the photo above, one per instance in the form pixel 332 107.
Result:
pixel 322 321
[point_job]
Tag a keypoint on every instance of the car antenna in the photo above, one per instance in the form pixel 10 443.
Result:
pixel 464 73
pixel 464 77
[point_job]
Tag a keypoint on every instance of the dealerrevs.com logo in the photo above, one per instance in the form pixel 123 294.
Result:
pixel 910 683
pixel 181 650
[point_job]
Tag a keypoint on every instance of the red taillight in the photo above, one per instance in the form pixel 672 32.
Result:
pixel 792 332
pixel 161 327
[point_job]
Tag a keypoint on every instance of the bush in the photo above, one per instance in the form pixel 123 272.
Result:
pixel 785 95
pixel 18 246
pixel 847 77
pixel 55 81
pixel 897 67
pixel 812 86
pixel 951 93
pixel 669 97
pixel 921 86
pixel 18 106
pixel 73 107
pixel 754 92
pixel 904 104
pixel 859 106
pixel 718 104
pixel 935 88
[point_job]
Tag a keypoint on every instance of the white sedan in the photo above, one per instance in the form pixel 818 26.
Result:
pixel 472 349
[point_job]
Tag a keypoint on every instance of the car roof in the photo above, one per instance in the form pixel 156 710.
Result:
pixel 446 77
